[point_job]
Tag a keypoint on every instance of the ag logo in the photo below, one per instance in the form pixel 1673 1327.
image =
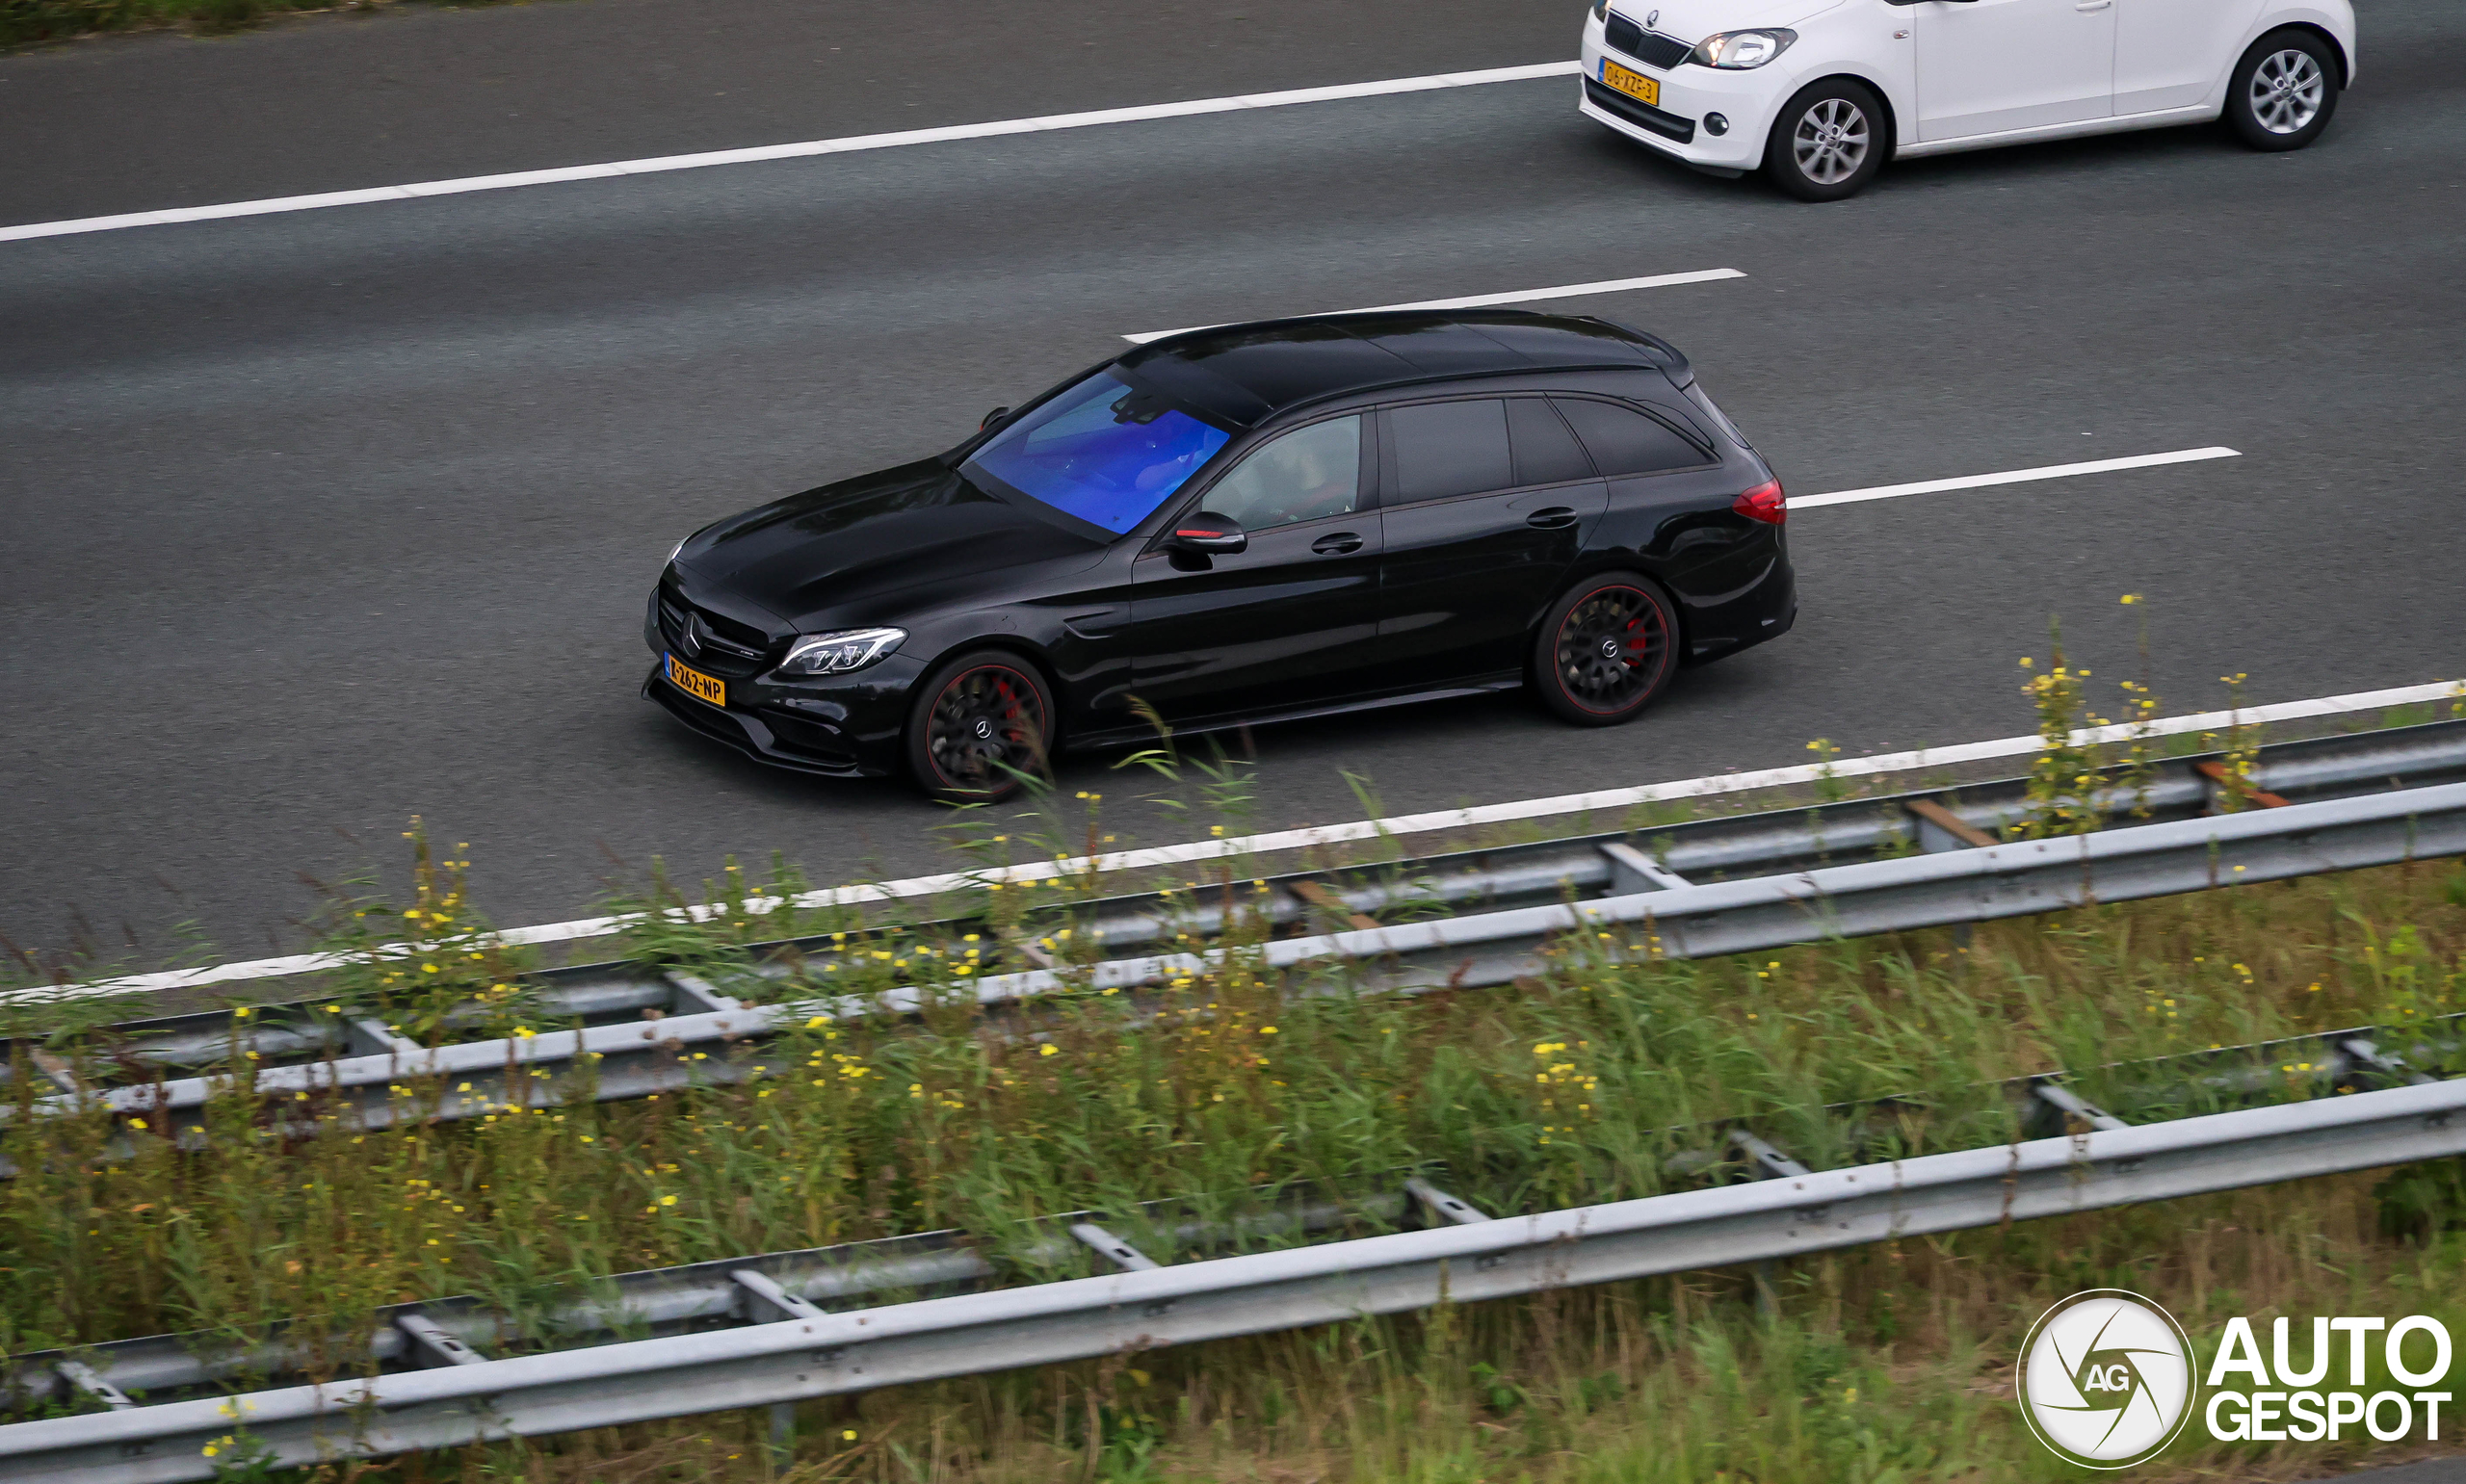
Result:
pixel 2106 1378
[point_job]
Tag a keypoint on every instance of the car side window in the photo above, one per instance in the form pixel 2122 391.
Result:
pixel 1545 451
pixel 1451 448
pixel 1625 441
pixel 1308 474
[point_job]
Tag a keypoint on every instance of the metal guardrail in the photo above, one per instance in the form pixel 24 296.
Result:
pixel 786 1348
pixel 1516 875
pixel 2157 733
pixel 690 1299
pixel 633 1306
pixel 706 1036
pixel 1655 908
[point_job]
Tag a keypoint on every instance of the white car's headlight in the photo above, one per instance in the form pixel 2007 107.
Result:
pixel 837 654
pixel 1600 10
pixel 1735 51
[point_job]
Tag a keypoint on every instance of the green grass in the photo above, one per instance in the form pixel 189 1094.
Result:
pixel 1573 1087
pixel 24 21
pixel 49 20
pixel 1881 1364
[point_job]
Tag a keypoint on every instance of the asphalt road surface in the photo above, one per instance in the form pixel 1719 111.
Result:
pixel 313 522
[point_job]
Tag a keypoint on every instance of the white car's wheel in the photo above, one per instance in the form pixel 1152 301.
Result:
pixel 1829 140
pixel 2284 91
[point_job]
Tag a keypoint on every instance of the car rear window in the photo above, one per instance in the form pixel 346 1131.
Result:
pixel 1104 452
pixel 1624 441
pixel 1449 447
pixel 1546 452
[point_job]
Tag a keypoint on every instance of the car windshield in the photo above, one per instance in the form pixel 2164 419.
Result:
pixel 1104 452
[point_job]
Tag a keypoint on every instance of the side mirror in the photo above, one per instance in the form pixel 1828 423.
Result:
pixel 993 417
pixel 1205 534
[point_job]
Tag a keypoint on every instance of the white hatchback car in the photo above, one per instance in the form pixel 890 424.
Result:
pixel 1819 93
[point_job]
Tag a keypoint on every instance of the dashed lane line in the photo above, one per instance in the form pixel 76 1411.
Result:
pixel 851 144
pixel 1484 300
pixel 2010 477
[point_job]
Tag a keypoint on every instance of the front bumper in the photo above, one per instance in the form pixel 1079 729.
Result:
pixel 1689 95
pixel 842 726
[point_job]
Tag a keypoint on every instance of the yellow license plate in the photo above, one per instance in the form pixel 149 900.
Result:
pixel 1635 85
pixel 696 684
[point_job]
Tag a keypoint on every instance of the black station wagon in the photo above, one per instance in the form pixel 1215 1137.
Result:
pixel 1239 525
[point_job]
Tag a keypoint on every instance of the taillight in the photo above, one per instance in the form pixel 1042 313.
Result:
pixel 1763 503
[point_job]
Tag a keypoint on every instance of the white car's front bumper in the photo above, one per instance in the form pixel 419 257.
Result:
pixel 1690 96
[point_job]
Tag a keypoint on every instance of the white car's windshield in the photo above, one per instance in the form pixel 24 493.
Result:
pixel 1104 452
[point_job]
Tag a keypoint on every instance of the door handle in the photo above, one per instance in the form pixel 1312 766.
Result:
pixel 1557 517
pixel 1336 543
pixel 2091 7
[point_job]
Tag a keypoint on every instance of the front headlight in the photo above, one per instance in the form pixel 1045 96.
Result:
pixel 1600 10
pixel 837 654
pixel 1735 51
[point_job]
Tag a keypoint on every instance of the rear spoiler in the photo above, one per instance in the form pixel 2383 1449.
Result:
pixel 1673 363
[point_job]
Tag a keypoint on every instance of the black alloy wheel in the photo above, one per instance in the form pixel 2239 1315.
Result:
pixel 1606 649
pixel 981 721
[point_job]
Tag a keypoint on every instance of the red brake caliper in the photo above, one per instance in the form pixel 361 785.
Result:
pixel 1634 646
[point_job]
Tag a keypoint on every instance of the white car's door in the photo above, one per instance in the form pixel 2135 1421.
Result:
pixel 2169 52
pixel 1988 65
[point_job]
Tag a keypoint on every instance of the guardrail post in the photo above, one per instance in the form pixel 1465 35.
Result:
pixel 1939 830
pixel 2364 1054
pixel 1769 1163
pixel 1320 895
pixel 783 1433
pixel 87 1379
pixel 57 1071
pixel 1632 871
pixel 1440 1204
pixel 2225 788
pixel 1119 1253
pixel 2070 1107
pixel 762 1300
pixel 368 1036
pixel 434 1345
pixel 697 995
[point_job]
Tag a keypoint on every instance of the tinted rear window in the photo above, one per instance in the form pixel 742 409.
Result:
pixel 1545 451
pixel 1625 441
pixel 1451 448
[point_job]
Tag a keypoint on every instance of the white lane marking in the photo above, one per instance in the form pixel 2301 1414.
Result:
pixel 1480 301
pixel 1334 834
pixel 819 147
pixel 2014 477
